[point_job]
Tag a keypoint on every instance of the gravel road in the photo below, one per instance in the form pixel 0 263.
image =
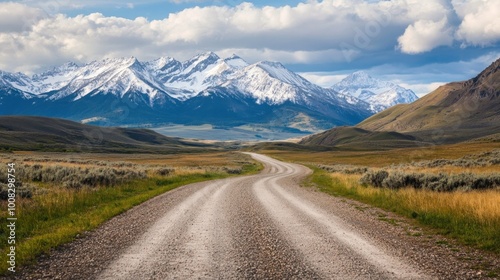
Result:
pixel 263 226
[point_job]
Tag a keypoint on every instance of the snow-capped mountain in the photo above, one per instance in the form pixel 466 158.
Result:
pixel 118 77
pixel 201 72
pixel 55 79
pixel 272 83
pixel 205 88
pixel 17 82
pixel 379 94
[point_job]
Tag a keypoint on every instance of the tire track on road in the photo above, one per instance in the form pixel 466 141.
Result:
pixel 335 249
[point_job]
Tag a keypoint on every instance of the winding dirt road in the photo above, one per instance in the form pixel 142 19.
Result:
pixel 255 227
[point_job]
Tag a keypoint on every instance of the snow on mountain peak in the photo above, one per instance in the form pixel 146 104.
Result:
pixel 56 71
pixel 236 61
pixel 160 64
pixel 122 61
pixel 201 61
pixel 115 76
pixel 204 71
pixel 166 78
pixel 280 72
pixel 272 83
pixel 379 94
pixel 18 81
pixel 361 79
pixel 165 87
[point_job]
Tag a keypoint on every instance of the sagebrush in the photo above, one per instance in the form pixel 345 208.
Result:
pixel 427 181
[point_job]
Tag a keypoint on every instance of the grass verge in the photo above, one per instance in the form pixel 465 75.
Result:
pixel 471 217
pixel 51 220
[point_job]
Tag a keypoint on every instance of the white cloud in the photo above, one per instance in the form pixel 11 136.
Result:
pixel 480 23
pixel 421 89
pixel 308 32
pixel 285 56
pixel 324 79
pixel 53 7
pixel 18 18
pixel 425 35
pixel 33 37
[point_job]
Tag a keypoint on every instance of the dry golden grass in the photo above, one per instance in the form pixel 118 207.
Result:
pixel 180 164
pixel 191 160
pixel 482 206
pixel 384 158
pixel 473 217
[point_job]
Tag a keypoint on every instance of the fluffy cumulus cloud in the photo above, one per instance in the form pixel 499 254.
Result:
pixel 15 17
pixel 425 35
pixel 480 21
pixel 328 31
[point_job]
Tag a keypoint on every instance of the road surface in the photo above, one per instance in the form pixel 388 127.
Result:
pixel 254 226
pixel 263 226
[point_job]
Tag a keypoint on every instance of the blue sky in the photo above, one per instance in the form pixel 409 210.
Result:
pixel 157 9
pixel 419 44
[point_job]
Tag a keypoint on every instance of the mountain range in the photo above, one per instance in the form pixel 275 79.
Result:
pixel 204 89
pixel 455 112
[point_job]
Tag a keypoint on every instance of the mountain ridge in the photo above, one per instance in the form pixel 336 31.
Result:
pixel 226 91
pixel 470 104
pixel 455 112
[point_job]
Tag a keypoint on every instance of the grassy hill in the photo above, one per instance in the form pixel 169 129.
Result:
pixel 356 138
pixel 49 134
pixel 453 113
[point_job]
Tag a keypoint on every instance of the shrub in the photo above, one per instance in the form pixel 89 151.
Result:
pixel 76 177
pixel 164 171
pixel 477 160
pixel 22 190
pixel 436 182
pixel 233 170
pixel 374 178
pixel 344 169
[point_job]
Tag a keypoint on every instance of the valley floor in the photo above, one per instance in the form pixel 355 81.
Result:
pixel 241 133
